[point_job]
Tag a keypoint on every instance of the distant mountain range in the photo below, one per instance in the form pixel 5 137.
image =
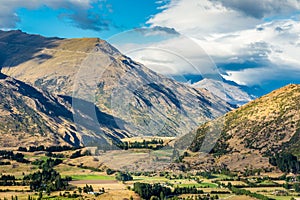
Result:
pixel 50 67
pixel 230 91
pixel 253 133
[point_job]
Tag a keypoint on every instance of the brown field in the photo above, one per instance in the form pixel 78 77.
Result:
pixel 147 138
pixel 17 169
pixel 114 190
pixel 21 195
pixel 269 189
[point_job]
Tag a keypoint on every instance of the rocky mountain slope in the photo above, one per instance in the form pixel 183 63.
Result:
pixel 32 117
pixel 139 100
pixel 256 131
pixel 232 92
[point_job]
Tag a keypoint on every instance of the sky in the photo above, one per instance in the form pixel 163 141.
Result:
pixel 251 42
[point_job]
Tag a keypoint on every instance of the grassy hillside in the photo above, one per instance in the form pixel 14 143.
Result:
pixel 257 130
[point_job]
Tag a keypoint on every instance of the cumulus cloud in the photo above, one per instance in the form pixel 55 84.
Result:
pixel 256 56
pixel 196 18
pixel 252 42
pixel 77 12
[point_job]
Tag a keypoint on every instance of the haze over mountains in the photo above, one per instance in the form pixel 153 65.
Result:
pixel 151 101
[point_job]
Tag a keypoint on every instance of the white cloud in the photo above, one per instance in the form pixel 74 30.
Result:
pixel 199 18
pixel 250 49
pixel 164 52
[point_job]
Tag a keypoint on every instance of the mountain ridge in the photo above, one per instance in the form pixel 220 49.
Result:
pixel 257 130
pixel 147 102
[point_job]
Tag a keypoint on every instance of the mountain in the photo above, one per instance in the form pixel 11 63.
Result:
pixel 136 100
pixel 230 91
pixel 33 117
pixel 253 133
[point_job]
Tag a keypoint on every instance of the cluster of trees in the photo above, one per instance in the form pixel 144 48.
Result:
pixel 154 144
pixel 124 176
pixel 7 180
pixel 58 155
pixel 295 186
pixel 238 191
pixel 12 156
pixel 110 171
pixel 206 197
pixel 48 149
pixel 148 191
pixel 47 164
pixel 79 153
pixel 88 188
pixel 205 174
pixel 286 162
pixel 47 179
pixel 187 190
pixel 5 163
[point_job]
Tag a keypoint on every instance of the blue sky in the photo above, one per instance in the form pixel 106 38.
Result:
pixel 117 17
pixel 252 42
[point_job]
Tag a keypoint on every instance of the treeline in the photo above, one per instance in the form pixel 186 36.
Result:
pixel 47 179
pixel 47 164
pixel 48 149
pixel 238 191
pixel 79 153
pixel 198 197
pixel 148 191
pixel 5 163
pixel 187 190
pixel 153 144
pixel 286 162
pixel 8 180
pixel 12 156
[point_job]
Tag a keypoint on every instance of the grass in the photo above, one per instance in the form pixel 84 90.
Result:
pixel 150 179
pixel 210 185
pixel 221 176
pixel 92 177
pixel 198 185
pixel 281 197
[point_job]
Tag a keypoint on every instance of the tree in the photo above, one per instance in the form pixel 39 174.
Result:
pixel 40 196
pixel 120 176
pixel 162 196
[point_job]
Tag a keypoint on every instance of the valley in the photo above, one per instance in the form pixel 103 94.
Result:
pixel 86 171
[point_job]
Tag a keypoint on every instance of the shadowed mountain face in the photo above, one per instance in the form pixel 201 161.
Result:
pixel 257 130
pixel 26 46
pixel 121 98
pixel 32 117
